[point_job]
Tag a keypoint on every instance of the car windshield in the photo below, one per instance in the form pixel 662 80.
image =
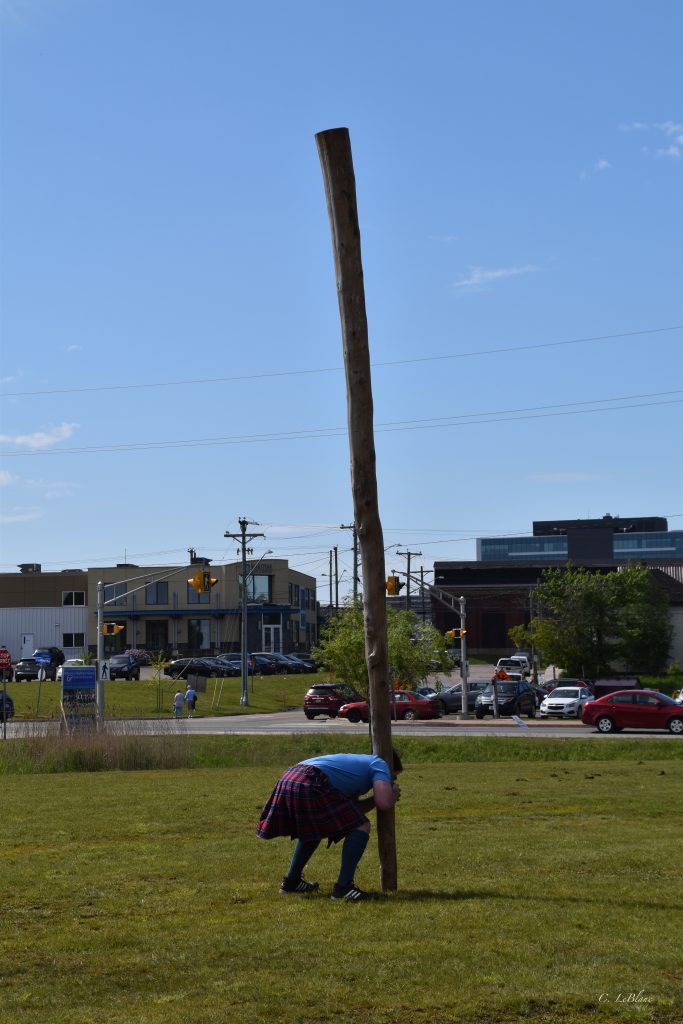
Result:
pixel 505 688
pixel 565 692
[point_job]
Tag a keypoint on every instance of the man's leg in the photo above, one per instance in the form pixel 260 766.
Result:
pixel 293 882
pixel 352 851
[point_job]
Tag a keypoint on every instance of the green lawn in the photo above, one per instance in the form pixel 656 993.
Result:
pixel 144 699
pixel 534 889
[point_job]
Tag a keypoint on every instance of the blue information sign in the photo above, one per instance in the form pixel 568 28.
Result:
pixel 42 657
pixel 81 677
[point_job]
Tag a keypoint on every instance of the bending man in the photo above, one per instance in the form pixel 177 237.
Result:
pixel 320 798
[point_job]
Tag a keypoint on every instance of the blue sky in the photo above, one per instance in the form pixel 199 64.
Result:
pixel 166 272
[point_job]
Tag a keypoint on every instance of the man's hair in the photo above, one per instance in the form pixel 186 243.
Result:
pixel 397 762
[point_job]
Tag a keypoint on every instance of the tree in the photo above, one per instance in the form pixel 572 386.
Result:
pixel 595 623
pixel 414 648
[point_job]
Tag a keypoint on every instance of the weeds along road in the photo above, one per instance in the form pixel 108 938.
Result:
pixel 287 722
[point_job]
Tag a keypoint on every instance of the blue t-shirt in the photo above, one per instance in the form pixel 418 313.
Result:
pixel 352 774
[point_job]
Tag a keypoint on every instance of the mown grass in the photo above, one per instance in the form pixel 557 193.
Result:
pixel 142 699
pixel 541 889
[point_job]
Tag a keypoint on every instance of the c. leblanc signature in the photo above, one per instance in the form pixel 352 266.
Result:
pixel 626 997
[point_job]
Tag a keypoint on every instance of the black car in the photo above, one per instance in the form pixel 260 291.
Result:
pixel 184 667
pixel 450 697
pixel 230 664
pixel 304 660
pixel 49 658
pixel 280 662
pixel 6 708
pixel 25 669
pixel 515 697
pixel 123 666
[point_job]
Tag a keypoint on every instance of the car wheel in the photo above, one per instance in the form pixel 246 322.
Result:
pixel 332 714
pixel 479 714
pixel 409 715
pixel 531 713
pixel 310 715
pixel 675 725
pixel 605 724
pixel 354 717
pixel 579 712
pixel 444 709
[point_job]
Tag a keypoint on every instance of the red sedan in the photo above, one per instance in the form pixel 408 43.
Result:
pixel 634 709
pixel 406 705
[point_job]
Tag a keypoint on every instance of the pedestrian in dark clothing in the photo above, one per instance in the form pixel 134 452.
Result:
pixel 320 799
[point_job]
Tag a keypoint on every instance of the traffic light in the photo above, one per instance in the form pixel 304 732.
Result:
pixel 394 585
pixel 202 581
pixel 111 627
pixel 208 581
pixel 455 633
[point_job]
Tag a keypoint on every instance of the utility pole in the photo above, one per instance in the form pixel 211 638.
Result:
pixel 336 579
pixel 352 526
pixel 463 659
pixel 243 537
pixel 99 683
pixel 334 149
pixel 408 554
pixel 330 579
pixel 422 591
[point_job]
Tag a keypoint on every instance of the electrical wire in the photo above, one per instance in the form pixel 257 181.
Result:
pixel 432 423
pixel 337 369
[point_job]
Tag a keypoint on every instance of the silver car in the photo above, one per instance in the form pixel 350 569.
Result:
pixel 566 702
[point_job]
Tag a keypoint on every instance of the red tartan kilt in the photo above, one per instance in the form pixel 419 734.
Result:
pixel 305 806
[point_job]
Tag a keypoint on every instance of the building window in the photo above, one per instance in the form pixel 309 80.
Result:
pixel 198 634
pixel 73 640
pixel 258 589
pixel 71 597
pixel 115 594
pixel 197 598
pixel 156 593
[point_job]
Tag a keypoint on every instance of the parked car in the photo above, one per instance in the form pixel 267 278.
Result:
pixel 405 705
pixel 300 665
pixel 450 697
pixel 280 661
pixel 569 681
pixel 123 666
pixel 6 707
pixel 634 709
pixel 540 693
pixel 69 663
pixel 183 667
pixel 566 702
pixel 230 664
pixel 49 658
pixel 25 668
pixel 515 697
pixel 328 698
pixel 426 691
pixel 305 659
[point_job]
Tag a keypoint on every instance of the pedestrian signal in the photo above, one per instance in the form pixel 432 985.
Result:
pixel 208 581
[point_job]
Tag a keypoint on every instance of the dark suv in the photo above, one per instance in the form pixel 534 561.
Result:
pixel 515 697
pixel 327 698
pixel 49 658
pixel 123 666
pixel 6 707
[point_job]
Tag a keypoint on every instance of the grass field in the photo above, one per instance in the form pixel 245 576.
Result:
pixel 541 889
pixel 143 699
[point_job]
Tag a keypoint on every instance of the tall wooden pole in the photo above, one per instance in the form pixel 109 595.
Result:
pixel 334 149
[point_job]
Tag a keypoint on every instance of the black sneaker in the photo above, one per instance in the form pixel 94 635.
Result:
pixel 300 887
pixel 350 892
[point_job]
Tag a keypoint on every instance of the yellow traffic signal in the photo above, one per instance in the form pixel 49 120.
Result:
pixel 392 587
pixel 197 581
pixel 455 633
pixel 111 627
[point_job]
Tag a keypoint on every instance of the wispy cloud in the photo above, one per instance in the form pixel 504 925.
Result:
pixel 479 276
pixel 21 515
pixel 74 348
pixel 562 478
pixel 672 151
pixel 6 478
pixel 672 132
pixel 41 438
pixel 53 488
pixel 602 165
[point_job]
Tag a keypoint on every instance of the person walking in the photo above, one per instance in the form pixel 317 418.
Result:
pixel 320 798
pixel 178 704
pixel 190 699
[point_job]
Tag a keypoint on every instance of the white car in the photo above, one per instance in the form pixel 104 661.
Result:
pixel 566 702
pixel 69 663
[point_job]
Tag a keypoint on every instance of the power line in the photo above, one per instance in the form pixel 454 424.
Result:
pixel 337 369
pixel 432 423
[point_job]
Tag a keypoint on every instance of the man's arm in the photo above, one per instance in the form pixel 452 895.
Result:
pixel 384 795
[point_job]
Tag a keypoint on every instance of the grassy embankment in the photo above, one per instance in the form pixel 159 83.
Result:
pixel 538 880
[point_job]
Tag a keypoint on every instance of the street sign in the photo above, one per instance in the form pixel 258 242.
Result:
pixel 43 657
pixel 79 695
pixel 5 658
